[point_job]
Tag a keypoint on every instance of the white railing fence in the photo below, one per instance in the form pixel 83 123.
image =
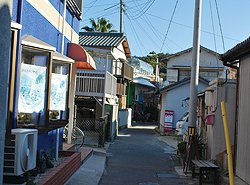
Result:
pixel 91 81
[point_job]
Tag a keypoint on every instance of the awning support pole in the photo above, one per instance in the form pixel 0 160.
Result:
pixel 105 81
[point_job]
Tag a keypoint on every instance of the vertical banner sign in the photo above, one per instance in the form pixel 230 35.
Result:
pixel 168 121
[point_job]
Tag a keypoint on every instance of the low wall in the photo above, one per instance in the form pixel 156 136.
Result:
pixel 64 171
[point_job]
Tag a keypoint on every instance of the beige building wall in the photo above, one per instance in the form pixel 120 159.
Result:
pixel 222 91
pixel 184 60
pixel 243 139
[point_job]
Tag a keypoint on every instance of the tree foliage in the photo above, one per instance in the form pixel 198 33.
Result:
pixel 102 25
pixel 151 58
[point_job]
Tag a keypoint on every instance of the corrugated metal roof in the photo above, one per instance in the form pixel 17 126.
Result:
pixel 236 52
pixel 182 82
pixel 143 81
pixel 101 39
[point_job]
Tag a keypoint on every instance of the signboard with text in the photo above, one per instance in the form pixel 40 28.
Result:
pixel 168 120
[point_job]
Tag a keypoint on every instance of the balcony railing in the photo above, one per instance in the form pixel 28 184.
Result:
pixel 120 89
pixel 92 83
pixel 123 70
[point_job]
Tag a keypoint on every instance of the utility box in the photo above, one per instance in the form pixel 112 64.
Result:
pixel 209 98
pixel 124 118
pixel 210 119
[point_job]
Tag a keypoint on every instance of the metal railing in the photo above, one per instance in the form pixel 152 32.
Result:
pixel 95 130
pixel 110 84
pixel 123 70
pixel 92 83
pixel 120 89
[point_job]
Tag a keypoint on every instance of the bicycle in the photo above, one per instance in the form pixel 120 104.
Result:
pixel 77 135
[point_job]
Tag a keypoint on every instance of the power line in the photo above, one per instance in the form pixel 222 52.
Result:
pixel 156 33
pixel 169 24
pixel 214 37
pixel 111 12
pixel 90 7
pixel 144 31
pixel 134 32
pixel 111 6
pixel 220 25
pixel 142 12
pixel 191 27
pixel 150 26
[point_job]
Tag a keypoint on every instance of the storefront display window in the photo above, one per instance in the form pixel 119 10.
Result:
pixel 59 91
pixel 32 88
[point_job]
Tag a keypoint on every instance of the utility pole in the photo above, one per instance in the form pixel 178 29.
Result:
pixel 194 73
pixel 121 16
pixel 157 71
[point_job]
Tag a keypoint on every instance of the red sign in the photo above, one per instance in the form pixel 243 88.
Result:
pixel 168 120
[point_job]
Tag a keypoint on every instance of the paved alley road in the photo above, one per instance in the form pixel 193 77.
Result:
pixel 137 157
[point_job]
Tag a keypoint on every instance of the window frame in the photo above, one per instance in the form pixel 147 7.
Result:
pixel 11 82
pixel 67 108
pixel 47 84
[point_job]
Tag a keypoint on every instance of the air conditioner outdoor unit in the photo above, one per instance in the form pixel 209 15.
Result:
pixel 20 155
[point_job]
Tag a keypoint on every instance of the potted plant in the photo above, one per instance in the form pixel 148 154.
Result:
pixel 182 148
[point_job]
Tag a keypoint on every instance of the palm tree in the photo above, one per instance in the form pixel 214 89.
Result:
pixel 102 25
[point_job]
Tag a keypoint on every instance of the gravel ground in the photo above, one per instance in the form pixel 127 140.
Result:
pixel 40 176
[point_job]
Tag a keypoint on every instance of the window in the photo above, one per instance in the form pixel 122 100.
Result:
pixel 184 74
pixel 59 91
pixel 32 87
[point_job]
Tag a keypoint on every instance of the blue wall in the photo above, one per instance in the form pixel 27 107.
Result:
pixel 48 141
pixel 175 97
pixel 33 23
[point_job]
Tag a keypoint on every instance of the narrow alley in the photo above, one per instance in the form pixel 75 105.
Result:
pixel 138 157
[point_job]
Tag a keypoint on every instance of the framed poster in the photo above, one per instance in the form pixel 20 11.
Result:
pixel 58 92
pixel 32 88
pixel 168 120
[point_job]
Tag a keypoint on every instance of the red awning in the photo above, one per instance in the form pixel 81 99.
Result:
pixel 82 59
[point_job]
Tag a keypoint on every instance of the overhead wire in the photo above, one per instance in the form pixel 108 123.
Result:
pixel 111 6
pixel 191 27
pixel 90 7
pixel 136 37
pixel 215 47
pixel 154 30
pixel 143 11
pixel 169 24
pixel 134 32
pixel 147 22
pixel 220 25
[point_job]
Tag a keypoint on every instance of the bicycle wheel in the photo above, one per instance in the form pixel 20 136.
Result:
pixel 77 136
pixel 65 134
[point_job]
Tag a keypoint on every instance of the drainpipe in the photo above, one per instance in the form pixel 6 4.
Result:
pixel 62 46
pixel 18 54
pixel 63 25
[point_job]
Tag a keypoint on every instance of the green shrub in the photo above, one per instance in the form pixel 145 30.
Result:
pixel 182 147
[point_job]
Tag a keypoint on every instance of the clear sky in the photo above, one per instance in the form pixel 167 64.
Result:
pixel 146 23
